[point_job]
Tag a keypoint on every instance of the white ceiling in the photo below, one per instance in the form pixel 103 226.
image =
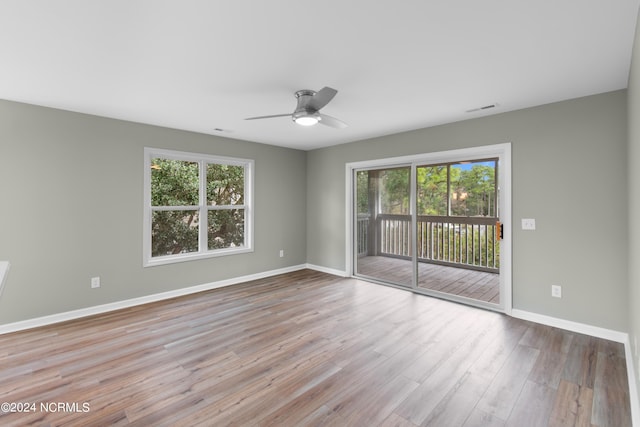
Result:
pixel 206 65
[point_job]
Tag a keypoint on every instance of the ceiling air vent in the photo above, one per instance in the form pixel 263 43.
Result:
pixel 486 107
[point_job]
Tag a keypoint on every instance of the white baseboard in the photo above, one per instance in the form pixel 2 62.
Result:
pixel 327 270
pixel 104 308
pixel 581 328
pixel 594 331
pixel 633 389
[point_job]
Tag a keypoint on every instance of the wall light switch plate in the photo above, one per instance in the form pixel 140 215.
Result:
pixel 528 224
pixel 556 291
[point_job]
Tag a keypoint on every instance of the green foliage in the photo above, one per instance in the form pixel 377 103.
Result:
pixel 432 190
pixel 473 191
pixel 174 183
pixel 226 228
pixel 225 185
pixel 394 191
pixel 174 232
pixel 393 185
pixel 442 190
pixel 177 183
pixel 362 192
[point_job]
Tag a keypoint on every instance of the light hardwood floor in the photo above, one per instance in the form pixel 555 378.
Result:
pixel 306 349
pixel 478 285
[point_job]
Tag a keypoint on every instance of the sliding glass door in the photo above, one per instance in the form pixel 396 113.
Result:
pixel 383 225
pixel 433 227
pixel 458 248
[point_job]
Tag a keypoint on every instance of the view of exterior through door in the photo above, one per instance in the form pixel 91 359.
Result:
pixel 434 228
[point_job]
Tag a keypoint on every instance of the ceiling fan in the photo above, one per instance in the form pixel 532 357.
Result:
pixel 307 112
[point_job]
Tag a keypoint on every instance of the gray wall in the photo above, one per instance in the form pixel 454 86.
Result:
pixel 569 173
pixel 71 208
pixel 634 203
pixel 71 191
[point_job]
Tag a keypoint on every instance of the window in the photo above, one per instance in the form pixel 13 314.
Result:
pixel 196 206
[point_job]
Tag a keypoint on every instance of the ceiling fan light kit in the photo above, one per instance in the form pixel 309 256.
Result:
pixel 306 120
pixel 307 112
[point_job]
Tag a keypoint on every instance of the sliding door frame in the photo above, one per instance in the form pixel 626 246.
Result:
pixel 500 151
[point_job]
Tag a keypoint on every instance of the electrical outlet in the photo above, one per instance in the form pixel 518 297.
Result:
pixel 556 291
pixel 95 282
pixel 281 253
pixel 528 224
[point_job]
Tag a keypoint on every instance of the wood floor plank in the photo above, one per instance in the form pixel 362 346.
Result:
pixel 373 407
pixel 308 348
pixel 449 373
pixel 610 407
pixel 548 368
pixel 503 392
pixel 580 367
pixel 611 371
pixel 479 418
pixel 572 406
pixel 533 407
pixel 507 335
pixel 394 420
pixel 457 406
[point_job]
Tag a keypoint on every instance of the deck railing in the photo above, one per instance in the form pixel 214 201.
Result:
pixel 362 234
pixel 468 242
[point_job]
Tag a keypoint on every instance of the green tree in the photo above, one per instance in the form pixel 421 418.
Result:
pixel 225 187
pixel 473 191
pixel 432 190
pixel 395 191
pixel 362 192
pixel 176 183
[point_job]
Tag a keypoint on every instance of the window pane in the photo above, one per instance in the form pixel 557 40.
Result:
pixel 394 191
pixel 432 190
pixel 365 193
pixel 362 191
pixel 225 185
pixel 226 228
pixel 473 189
pixel 174 182
pixel 174 232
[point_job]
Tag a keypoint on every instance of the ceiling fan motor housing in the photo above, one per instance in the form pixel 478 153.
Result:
pixel 303 109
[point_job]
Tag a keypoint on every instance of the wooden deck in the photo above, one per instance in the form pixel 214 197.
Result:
pixel 473 284
pixel 310 349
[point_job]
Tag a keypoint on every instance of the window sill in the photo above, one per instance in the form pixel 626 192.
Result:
pixel 172 259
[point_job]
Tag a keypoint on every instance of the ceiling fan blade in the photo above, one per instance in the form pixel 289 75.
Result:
pixel 269 117
pixel 332 121
pixel 321 98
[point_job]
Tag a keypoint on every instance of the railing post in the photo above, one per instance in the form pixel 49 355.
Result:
pixel 374 222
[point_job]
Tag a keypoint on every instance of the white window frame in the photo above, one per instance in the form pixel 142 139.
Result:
pixel 203 208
